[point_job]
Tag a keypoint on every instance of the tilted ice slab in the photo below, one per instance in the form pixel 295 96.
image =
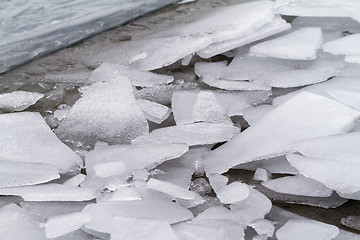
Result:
pixel 190 134
pixel 50 192
pixel 344 180
pixel 251 115
pixel 153 111
pixel 298 45
pixel 298 185
pixel 302 117
pixel 107 112
pixel 25 35
pixel 16 223
pixel 18 100
pixel 170 189
pixel 348 46
pixel 140 78
pixel 319 8
pixel 13 174
pixel 25 137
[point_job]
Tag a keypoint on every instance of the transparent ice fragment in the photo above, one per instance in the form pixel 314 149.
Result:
pixel 18 100
pixel 313 110
pixel 154 112
pixel 190 134
pixel 117 121
pixel 261 175
pixel 170 189
pixel 25 137
pixel 263 227
pixel 301 44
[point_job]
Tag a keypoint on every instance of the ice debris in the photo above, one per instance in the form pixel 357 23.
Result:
pixel 18 100
pixel 154 112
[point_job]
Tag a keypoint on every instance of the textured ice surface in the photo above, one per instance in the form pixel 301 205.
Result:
pixel 141 229
pixel 25 35
pixel 170 189
pixel 13 174
pixel 107 71
pixel 299 118
pixel 25 137
pixel 298 45
pixel 234 192
pixel 18 100
pixel 50 192
pixel 299 229
pixel 298 185
pixel 190 134
pixel 16 223
pixel 117 121
pixel 348 45
pixel 63 224
pixel 351 222
pixel 153 112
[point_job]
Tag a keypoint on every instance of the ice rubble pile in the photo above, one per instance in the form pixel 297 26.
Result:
pixel 146 158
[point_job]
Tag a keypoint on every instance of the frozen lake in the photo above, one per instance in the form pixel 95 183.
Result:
pixel 31 28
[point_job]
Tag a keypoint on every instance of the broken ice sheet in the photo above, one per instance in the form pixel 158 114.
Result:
pixel 50 192
pixel 16 223
pixel 298 185
pixel 301 44
pixel 13 174
pixel 274 134
pixel 153 112
pixel 299 229
pixel 18 100
pixel 190 134
pixel 141 229
pixel 170 189
pixel 25 137
pixel 234 192
pixel 107 112
pixel 348 45
pixel 107 71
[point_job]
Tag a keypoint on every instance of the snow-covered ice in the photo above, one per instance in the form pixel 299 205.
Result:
pixel 18 100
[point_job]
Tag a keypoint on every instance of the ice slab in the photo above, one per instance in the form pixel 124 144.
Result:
pixel 50 192
pixel 261 175
pixel 299 229
pixel 25 137
pixel 154 112
pixel 170 189
pixel 263 227
pixel 155 208
pixel 313 110
pixel 18 100
pixel 125 194
pixel 63 224
pixel 190 134
pixel 301 44
pixel 16 223
pixel 218 181
pixel 232 193
pixel 344 180
pixel 13 174
pixel 117 121
pixel 298 185
pixel 75 181
pixel 107 71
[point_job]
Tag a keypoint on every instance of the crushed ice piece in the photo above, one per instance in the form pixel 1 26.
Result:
pixel 313 110
pixel 351 222
pixel 201 186
pixel 107 71
pixel 191 134
pixel 273 165
pixel 202 107
pixel 345 96
pixel 109 169
pixel 25 137
pixel 276 26
pixel 253 114
pixel 125 194
pixel 107 111
pixel 61 113
pixel 263 227
pixel 344 180
pixel 16 223
pixel 50 192
pixel 14 174
pixel 141 229
pixel 75 181
pixel 186 60
pixel 300 229
pixel 234 192
pixel 301 44
pixel 154 208
pixel 298 185
pixel 63 224
pixel 18 100
pixel 170 189
pixel 154 112
pixel 218 181
pixel 262 175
